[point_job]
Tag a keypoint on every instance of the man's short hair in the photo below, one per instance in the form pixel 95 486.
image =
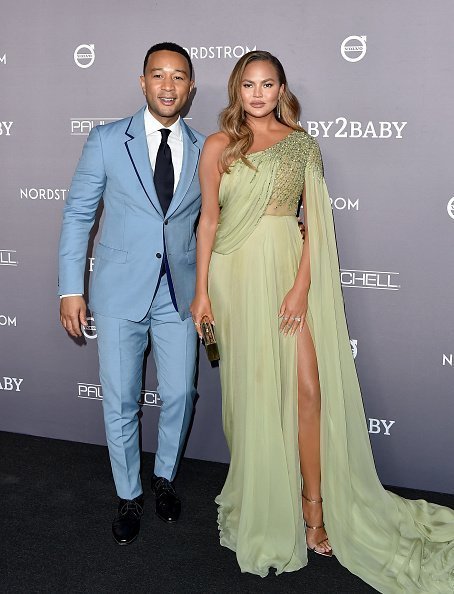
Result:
pixel 170 47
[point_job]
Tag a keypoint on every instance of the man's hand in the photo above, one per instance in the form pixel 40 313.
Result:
pixel 73 312
pixel 302 228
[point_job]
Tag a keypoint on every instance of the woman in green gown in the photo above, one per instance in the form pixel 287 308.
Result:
pixel 292 409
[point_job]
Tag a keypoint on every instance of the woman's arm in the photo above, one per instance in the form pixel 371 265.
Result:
pixel 294 306
pixel 210 178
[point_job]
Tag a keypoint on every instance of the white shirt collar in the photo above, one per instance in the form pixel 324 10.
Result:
pixel 152 125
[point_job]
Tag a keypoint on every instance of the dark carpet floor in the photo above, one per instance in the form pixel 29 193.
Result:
pixel 56 506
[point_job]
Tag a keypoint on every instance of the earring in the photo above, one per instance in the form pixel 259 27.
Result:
pixel 278 109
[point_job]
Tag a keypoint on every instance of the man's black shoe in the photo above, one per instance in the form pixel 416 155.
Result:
pixel 168 506
pixel 126 524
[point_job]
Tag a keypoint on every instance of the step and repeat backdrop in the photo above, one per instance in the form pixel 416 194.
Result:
pixel 375 83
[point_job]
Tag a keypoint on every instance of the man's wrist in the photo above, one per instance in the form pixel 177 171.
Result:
pixel 71 295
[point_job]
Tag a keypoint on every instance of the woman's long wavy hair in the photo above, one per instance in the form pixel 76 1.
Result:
pixel 232 120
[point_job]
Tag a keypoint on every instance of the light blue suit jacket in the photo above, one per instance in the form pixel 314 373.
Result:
pixel 115 165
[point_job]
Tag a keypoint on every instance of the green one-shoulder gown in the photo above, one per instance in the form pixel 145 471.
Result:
pixel 394 544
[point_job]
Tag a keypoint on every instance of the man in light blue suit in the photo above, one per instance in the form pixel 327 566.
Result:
pixel 145 169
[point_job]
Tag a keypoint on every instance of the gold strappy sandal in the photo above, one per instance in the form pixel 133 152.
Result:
pixel 314 549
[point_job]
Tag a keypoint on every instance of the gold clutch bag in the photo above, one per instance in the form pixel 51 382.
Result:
pixel 209 339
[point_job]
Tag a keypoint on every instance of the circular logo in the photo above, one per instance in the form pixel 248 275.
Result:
pixel 89 331
pixel 353 48
pixel 84 55
pixel 450 208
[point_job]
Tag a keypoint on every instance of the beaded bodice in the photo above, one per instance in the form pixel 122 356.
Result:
pixel 273 186
pixel 292 153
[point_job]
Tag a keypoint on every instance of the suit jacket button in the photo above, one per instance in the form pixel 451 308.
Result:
pixel 166 222
pixel 158 255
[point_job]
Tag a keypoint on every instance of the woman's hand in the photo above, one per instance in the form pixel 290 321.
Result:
pixel 201 307
pixel 293 311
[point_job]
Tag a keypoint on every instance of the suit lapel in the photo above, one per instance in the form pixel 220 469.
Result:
pixel 189 167
pixel 137 148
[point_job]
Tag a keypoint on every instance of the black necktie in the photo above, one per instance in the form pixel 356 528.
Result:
pixel 163 172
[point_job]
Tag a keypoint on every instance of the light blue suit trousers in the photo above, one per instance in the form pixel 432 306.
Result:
pixel 121 346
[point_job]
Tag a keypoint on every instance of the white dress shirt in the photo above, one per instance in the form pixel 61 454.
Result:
pixel 175 142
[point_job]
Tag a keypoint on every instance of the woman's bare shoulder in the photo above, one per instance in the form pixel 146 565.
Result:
pixel 216 143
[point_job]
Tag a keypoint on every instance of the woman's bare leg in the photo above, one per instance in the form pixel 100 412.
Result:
pixel 309 439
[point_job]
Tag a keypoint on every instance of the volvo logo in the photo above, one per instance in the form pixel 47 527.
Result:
pixel 84 55
pixel 354 52
pixel 450 208
pixel 89 331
